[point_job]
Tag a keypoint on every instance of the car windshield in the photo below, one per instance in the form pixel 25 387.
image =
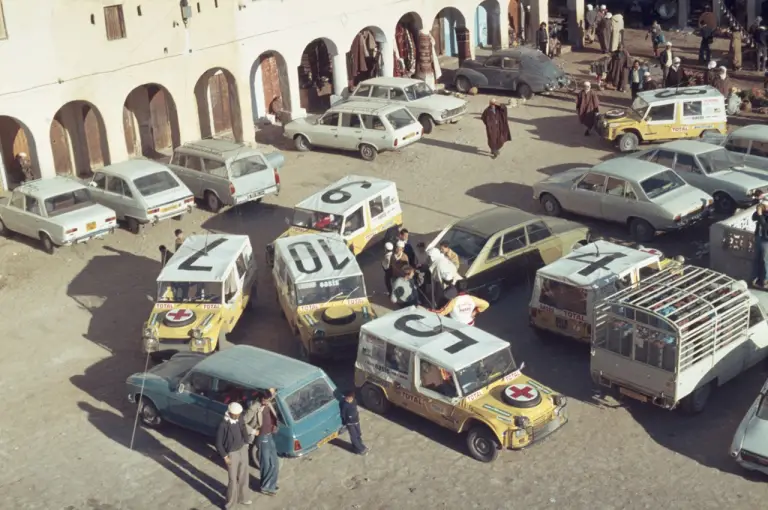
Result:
pixel 661 183
pixel 246 166
pixel 639 106
pixel 323 291
pixel 323 222
pixel 313 396
pixel 762 409
pixel 486 371
pixel 401 118
pixel 155 183
pixel 68 202
pixel 177 367
pixel 189 292
pixel 417 91
pixel 717 161
pixel 466 245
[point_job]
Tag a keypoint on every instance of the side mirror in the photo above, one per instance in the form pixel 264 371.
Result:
pixel 92 184
pixel 180 388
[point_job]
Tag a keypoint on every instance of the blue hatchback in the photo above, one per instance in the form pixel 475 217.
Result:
pixel 193 390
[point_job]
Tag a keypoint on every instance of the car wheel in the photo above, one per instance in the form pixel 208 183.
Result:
pixel 463 84
pixel 47 243
pixel 628 142
pixel 368 152
pixel 4 232
pixel 524 91
pixel 427 123
pixel 212 201
pixel 641 230
pixel 724 204
pixel 482 444
pixel 697 401
pixel 709 132
pixel 149 414
pixel 133 225
pixel 374 399
pixel 551 205
pixel 301 143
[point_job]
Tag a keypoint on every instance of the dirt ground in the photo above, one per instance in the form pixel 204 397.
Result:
pixel 73 326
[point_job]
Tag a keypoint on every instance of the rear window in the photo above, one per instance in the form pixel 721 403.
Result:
pixel 155 183
pixel 466 245
pixel 564 297
pixel 301 403
pixel 247 166
pixel 661 183
pixel 400 118
pixel 68 202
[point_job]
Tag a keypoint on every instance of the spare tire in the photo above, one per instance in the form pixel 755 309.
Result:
pixel 339 316
pixel 521 395
pixel 614 114
pixel 179 317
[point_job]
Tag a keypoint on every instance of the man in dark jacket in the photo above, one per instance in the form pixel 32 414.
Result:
pixel 760 265
pixel 707 37
pixel 350 418
pixel 542 38
pixel 232 445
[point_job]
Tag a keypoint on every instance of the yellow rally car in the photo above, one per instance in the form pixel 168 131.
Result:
pixel 360 209
pixel 665 114
pixel 457 376
pixel 202 293
pixel 321 291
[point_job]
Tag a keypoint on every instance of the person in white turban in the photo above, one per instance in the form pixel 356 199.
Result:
pixel 232 445
pixel 590 24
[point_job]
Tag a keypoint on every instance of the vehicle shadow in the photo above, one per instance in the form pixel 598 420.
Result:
pixel 467 149
pixel 272 135
pixel 507 194
pixel 563 131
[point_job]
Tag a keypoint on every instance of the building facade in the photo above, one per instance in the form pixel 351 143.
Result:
pixel 94 82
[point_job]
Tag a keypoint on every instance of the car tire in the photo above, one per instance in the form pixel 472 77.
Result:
pixel 133 225
pixel 709 132
pixel 697 401
pixel 463 84
pixel 482 444
pixel 724 204
pixel 368 152
pixel 212 202
pixel 301 143
pixel 550 204
pixel 427 123
pixel 641 230
pixel 4 232
pixel 47 243
pixel 628 142
pixel 374 399
pixel 148 413
pixel 524 91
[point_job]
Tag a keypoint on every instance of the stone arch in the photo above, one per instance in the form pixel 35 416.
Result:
pixel 150 122
pixel 406 47
pixel 451 34
pixel 270 86
pixel 321 74
pixel 78 139
pixel 487 27
pixel 15 139
pixel 366 56
pixel 218 105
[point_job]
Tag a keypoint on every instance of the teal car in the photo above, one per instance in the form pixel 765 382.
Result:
pixel 193 390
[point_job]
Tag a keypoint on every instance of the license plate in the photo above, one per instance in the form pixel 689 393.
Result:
pixel 633 394
pixel 90 226
pixel 328 439
pixel 409 136
pixel 169 208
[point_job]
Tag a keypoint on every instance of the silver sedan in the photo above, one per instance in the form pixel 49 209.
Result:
pixel 750 443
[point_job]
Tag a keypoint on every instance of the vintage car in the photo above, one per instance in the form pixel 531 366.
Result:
pixel 360 126
pixel 711 168
pixel 644 196
pixel 750 442
pixel 202 292
pixel 525 71
pixel 457 376
pixel 226 173
pixel 665 114
pixel 193 390
pixel 502 245
pixel 361 209
pixel 422 101
pixel 58 211
pixel 141 192
pixel 749 145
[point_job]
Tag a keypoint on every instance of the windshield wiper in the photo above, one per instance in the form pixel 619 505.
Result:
pixel 340 293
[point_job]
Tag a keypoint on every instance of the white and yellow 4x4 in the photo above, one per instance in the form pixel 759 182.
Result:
pixel 202 293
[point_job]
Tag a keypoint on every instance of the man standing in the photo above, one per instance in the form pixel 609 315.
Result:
pixel 446 250
pixel 542 38
pixel 404 289
pixel 399 259
pixel 351 419
pixel 707 37
pixel 657 37
pixel 636 79
pixel 165 255
pixel 403 235
pixel 590 19
pixel 666 60
pixel 386 264
pixel 761 42
pixel 721 81
pixel 496 127
pixel 710 73
pixel 604 32
pixel 760 265
pixel 618 68
pixel 261 421
pixel 676 76
pixel 179 239
pixel 587 107
pixel 464 308
pixel 232 445
pixel 25 166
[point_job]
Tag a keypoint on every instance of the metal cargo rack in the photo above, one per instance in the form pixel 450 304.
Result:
pixel 706 310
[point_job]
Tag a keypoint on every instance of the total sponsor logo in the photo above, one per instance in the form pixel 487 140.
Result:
pixel 679 129
pixel 562 313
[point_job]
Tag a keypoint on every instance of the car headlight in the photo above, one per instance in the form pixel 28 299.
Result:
pixel 522 422
pixel 519 433
pixel 559 400
pixel 444 114
pixel 319 333
pixel 149 332
pixel 196 333
pixel 201 342
pixel 150 343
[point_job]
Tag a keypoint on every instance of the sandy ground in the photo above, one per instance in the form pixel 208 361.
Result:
pixel 73 326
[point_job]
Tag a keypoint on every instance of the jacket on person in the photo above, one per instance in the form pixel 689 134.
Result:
pixel 254 417
pixel 542 37
pixel 349 413
pixel 666 58
pixel 761 227
pixel 462 308
pixel 404 291
pixel 230 437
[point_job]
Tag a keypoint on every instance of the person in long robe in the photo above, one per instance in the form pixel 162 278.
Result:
pixel 710 73
pixel 587 107
pixel 676 76
pixel 617 31
pixel 590 22
pixel 721 81
pixel 604 33
pixel 618 68
pixel 496 126
pixel 734 51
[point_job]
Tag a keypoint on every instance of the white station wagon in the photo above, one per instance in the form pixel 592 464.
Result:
pixel 58 211
pixel 426 105
pixel 141 192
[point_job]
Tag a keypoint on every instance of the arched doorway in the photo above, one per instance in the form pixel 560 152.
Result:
pixel 78 139
pixel 406 46
pixel 16 143
pixel 218 105
pixel 488 25
pixel 271 74
pixel 515 18
pixel 150 122
pixel 366 55
pixel 449 29
pixel 317 74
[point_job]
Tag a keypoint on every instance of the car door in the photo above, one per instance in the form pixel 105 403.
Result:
pixel 510 73
pixel 660 120
pixel 215 177
pixel 544 249
pixel 688 168
pixel 739 149
pixel 374 130
pixel 98 187
pixel 14 212
pixel 326 129
pixel 191 174
pixel 350 133
pixel 119 196
pixel 492 71
pixel 619 200
pixel 190 404
pixel 586 194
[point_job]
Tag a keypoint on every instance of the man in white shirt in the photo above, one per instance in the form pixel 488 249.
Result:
pixel 464 308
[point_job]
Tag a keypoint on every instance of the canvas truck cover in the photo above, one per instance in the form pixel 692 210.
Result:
pixel 346 195
pixel 317 257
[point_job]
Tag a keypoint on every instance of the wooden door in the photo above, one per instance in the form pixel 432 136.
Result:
pixel 221 108
pixel 160 119
pixel 92 128
pixel 13 140
pixel 270 82
pixel 62 157
pixel 437 35
pixel 129 130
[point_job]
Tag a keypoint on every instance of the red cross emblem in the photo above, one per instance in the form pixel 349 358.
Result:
pixel 179 315
pixel 521 392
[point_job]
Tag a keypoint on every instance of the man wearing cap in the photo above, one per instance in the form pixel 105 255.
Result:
pixel 666 59
pixel 496 123
pixel 399 259
pixel 386 265
pixel 604 29
pixel 587 107
pixel 590 20
pixel 710 73
pixel 649 83
pixel 721 81
pixel 676 75
pixel 261 424
pixel 232 445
